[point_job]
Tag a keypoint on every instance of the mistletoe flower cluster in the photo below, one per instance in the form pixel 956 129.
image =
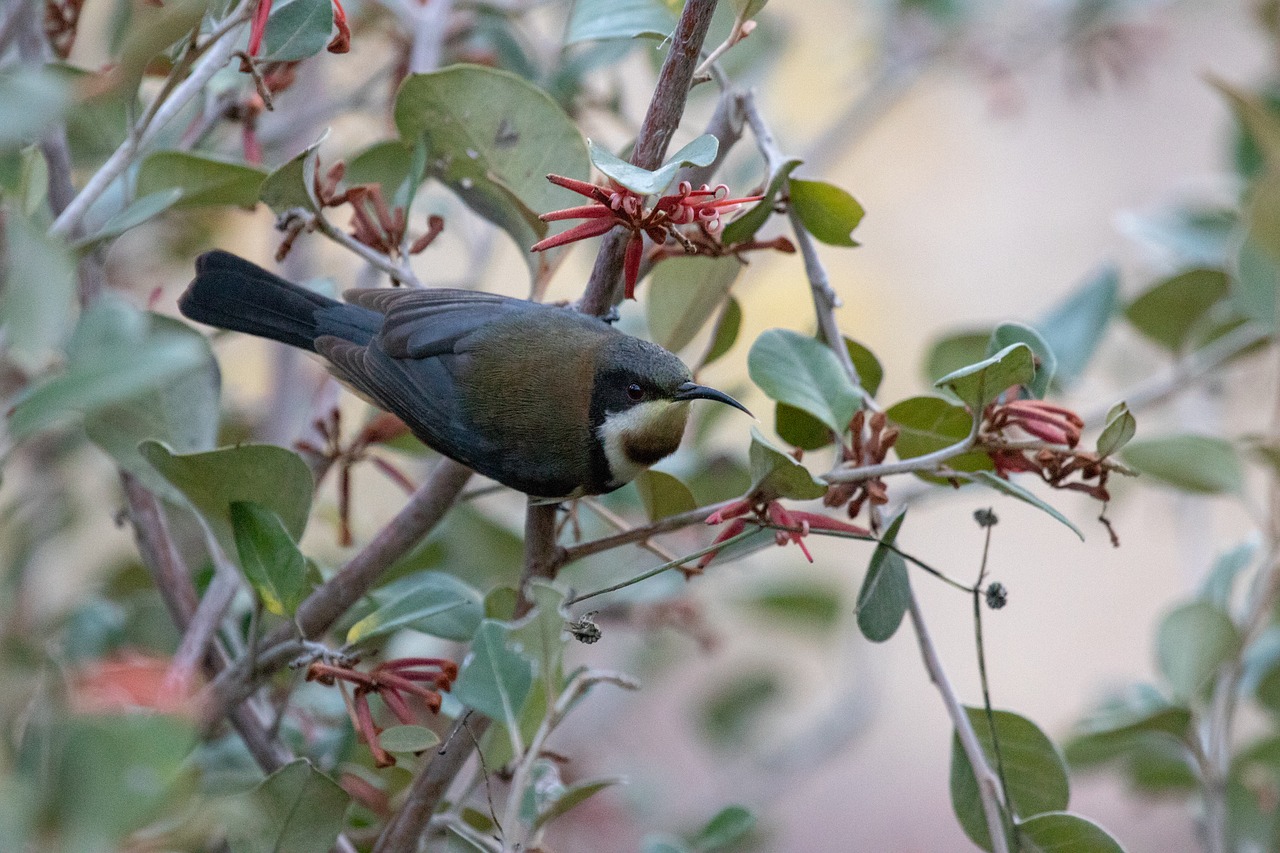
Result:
pixel 391 680
pixel 616 205
pixel 789 525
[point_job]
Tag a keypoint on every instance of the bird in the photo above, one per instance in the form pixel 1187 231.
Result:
pixel 546 400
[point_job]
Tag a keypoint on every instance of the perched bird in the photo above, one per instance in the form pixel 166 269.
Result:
pixel 545 400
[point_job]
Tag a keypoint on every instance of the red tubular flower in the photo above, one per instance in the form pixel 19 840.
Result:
pixel 732 529
pixel 259 26
pixel 342 40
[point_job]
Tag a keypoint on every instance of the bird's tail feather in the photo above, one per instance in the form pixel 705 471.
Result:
pixel 232 293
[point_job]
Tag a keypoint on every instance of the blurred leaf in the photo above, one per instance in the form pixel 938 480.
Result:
pixel 574 795
pixel 1012 489
pixel 955 351
pixel 1195 236
pixel 494 680
pixel 796 603
pixel 1141 709
pixel 1064 832
pixel 978 384
pixel 37 301
pixel 140 210
pixel 115 354
pixel 684 293
pixel 1192 642
pixel 500 603
pixel 745 226
pixel 927 424
pixel 202 178
pixel 297 29
pixel 663 494
pixel 1192 463
pixel 748 9
pixel 286 187
pixel 396 167
pixel 495 159
pixel 1074 327
pixel 596 20
pixel 1046 363
pixel 1120 428
pixel 869 369
pixel 539 637
pixel 827 212
pixel 800 429
pixel 152 30
pixel 774 474
pixel 299 809
pixel 182 412
pixel 801 371
pixel 1168 312
pixel 663 844
pixel 1257 267
pixel 725 334
pixel 432 603
pixel 1258 119
pixel 1035 775
pixel 1219 582
pixel 114 773
pixel 407 739
pixel 264 474
pixel 728 714
pixel 886 590
pixel 730 825
pixel 22 86
pixel 271 561
pixel 699 152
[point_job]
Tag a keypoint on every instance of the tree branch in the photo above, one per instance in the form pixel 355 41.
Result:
pixel 660 122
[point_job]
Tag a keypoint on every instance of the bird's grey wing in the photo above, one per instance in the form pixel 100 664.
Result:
pixel 424 323
pixel 418 391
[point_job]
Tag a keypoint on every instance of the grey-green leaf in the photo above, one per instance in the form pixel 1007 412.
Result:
pixel 746 225
pixel 297 808
pixel 1120 428
pixel 803 372
pixel 599 20
pixel 699 152
pixel 430 602
pixel 728 827
pixel 1193 463
pixel 1168 312
pixel 662 494
pixel 978 384
pixel 494 679
pixel 827 212
pixel 202 179
pixel 1064 832
pixel 774 474
pixel 886 591
pixel 297 29
pixel 684 294
pixel 1074 327
pixel 1192 642
pixel 1046 363
pixel 269 557
pixel 407 739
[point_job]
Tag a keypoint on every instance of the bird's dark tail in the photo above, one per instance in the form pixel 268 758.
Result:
pixel 232 293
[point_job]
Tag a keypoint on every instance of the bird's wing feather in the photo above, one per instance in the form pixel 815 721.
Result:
pixel 424 323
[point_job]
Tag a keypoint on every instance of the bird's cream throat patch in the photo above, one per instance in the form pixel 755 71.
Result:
pixel 638 437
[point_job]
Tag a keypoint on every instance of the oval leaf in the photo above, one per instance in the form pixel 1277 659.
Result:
pixel 297 29
pixel 297 808
pixel 978 384
pixel 1168 312
pixel 1035 774
pixel 494 679
pixel 1064 832
pixel 699 152
pixel 271 561
pixel 407 739
pixel 726 331
pixel 1046 363
pixel 1121 426
pixel 684 293
pixel 1194 463
pixel 802 372
pixel 202 179
pixel 1074 328
pixel 774 474
pixel 429 602
pixel 886 592
pixel 1192 642
pixel 663 494
pixel 746 225
pixel 827 212
pixel 600 20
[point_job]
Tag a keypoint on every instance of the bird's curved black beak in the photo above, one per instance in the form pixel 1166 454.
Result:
pixel 694 391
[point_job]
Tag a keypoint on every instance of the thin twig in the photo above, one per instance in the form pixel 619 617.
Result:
pixel 665 567
pixel 678 521
pixel 220 46
pixel 660 122
pixel 924 462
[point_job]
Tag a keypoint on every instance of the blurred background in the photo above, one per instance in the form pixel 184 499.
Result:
pixel 1003 154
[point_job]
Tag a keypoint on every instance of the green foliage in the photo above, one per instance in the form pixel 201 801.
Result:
pixel 21 86
pixel 804 605
pixel 1046 363
pixel 200 179
pixel 598 20
pixel 774 474
pixel 407 739
pixel 495 159
pixel 296 808
pixel 1170 311
pixel 289 185
pixel 494 679
pixel 980 383
pixel 952 352
pixel 725 334
pixel 699 152
pixel 827 212
pixel 1074 328
pixel 746 225
pixel 1193 463
pixel 927 424
pixel 1035 775
pixel 428 602
pixel 663 495
pixel 297 29
pixel 684 294
pixel 39 288
pixel 1119 429
pixel 1193 641
pixel 730 712
pixel 272 563
pixel 1063 832
pixel 729 826
pixel 803 372
pixel 573 795
pixel 886 589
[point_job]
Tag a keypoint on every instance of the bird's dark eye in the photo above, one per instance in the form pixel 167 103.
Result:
pixel 635 393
